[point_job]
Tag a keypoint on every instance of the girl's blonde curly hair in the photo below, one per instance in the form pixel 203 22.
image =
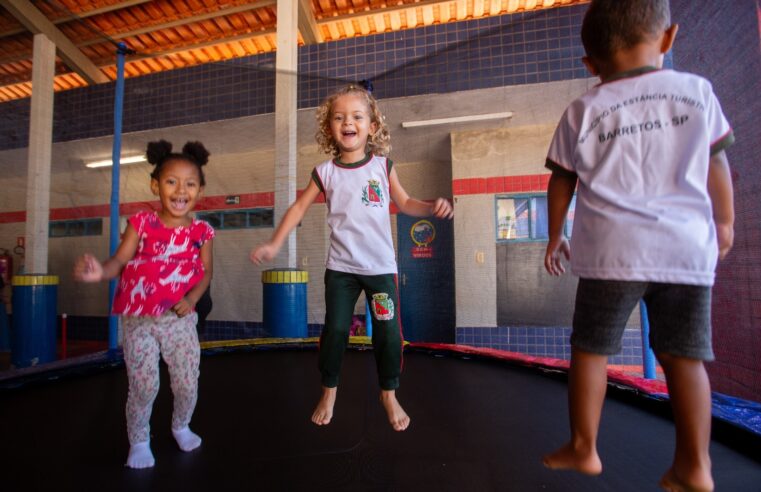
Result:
pixel 378 143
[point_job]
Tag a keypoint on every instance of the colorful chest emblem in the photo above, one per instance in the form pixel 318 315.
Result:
pixel 372 196
pixel 383 306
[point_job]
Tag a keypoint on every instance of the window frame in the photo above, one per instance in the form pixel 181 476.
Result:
pixel 87 226
pixel 531 221
pixel 249 213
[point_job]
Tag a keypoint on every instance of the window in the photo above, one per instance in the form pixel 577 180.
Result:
pixel 239 219
pixel 525 218
pixel 74 228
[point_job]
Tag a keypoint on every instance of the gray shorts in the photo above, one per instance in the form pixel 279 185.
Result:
pixel 679 315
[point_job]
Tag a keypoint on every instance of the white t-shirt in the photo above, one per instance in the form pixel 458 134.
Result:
pixel 357 196
pixel 640 145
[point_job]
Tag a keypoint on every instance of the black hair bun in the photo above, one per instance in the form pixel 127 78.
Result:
pixel 197 152
pixel 158 151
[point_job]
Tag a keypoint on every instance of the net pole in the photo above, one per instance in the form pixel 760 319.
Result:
pixel 113 322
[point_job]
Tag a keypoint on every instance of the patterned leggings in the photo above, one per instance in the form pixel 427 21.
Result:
pixel 146 338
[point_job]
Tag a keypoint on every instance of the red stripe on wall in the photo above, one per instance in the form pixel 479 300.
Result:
pixel 527 183
pixel 9 217
pixel 320 198
pixel 247 200
pixel 84 212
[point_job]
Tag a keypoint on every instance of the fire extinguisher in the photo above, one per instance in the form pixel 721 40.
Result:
pixel 6 266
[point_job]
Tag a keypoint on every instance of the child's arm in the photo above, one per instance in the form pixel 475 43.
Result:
pixel 188 303
pixel 88 269
pixel 441 208
pixel 722 199
pixel 559 195
pixel 267 251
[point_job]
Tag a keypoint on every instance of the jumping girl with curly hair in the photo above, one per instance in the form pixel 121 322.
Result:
pixel 357 182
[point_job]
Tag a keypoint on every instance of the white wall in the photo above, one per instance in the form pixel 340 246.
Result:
pixel 427 159
pixel 519 148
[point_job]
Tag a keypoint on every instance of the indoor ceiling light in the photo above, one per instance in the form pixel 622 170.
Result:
pixel 124 160
pixel 458 119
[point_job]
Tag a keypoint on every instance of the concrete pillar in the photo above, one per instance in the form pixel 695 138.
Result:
pixel 286 80
pixel 40 150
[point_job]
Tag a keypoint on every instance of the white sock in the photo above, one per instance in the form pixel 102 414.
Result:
pixel 186 439
pixel 140 455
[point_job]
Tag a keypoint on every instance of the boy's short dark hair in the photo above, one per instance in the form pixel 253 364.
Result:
pixel 612 25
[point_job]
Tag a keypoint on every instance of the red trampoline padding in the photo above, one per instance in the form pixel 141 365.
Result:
pixel 652 387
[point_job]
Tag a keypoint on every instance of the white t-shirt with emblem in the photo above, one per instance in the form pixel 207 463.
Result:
pixel 640 145
pixel 357 197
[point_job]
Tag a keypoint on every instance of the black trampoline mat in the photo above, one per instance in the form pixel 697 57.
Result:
pixel 476 425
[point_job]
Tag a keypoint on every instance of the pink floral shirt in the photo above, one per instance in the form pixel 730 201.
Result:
pixel 166 266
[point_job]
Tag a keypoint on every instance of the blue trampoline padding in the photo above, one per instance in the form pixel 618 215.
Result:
pixel 743 413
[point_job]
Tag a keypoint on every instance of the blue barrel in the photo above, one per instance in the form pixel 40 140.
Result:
pixel 285 302
pixel 34 325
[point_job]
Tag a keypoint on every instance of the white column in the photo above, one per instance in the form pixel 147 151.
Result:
pixel 40 150
pixel 286 65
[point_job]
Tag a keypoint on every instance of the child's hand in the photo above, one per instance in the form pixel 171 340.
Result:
pixel 262 253
pixel 556 249
pixel 442 209
pixel 725 234
pixel 183 308
pixel 88 269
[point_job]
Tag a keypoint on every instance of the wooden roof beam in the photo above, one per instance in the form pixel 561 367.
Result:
pixel 82 15
pixel 197 46
pixel 184 21
pixel 308 24
pixel 383 10
pixel 35 21
pixel 158 27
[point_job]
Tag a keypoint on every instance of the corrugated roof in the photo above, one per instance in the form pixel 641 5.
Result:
pixel 180 33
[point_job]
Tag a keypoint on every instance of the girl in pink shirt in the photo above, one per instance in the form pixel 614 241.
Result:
pixel 165 264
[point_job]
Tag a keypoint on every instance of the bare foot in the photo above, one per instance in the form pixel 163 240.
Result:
pixel 567 458
pixel 672 483
pixel 397 417
pixel 323 412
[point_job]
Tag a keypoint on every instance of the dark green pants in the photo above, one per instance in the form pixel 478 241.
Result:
pixel 341 293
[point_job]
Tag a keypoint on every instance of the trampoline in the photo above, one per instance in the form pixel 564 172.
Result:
pixel 477 424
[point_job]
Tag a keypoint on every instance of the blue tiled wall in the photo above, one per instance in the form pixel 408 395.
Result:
pixel 513 49
pixel 96 328
pixel 239 330
pixel 543 341
pixel 533 340
pixel 233 330
pixel 493 52
pixel 538 341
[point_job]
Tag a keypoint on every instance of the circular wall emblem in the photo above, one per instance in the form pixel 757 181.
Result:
pixel 422 233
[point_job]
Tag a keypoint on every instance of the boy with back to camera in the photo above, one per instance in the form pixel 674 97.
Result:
pixel 654 212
